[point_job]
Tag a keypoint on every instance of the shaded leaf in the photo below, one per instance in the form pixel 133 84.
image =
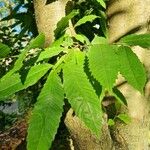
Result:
pixel 38 42
pixel 119 96
pixel 4 50
pixel 81 94
pixel 64 23
pixel 46 115
pixel 35 43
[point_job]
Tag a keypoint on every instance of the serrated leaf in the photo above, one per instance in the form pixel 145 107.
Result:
pixel 49 52
pixel 131 68
pixel 81 94
pixel 103 64
pixel 13 83
pixel 46 115
pixel 125 118
pixel 64 23
pixel 4 50
pixel 102 3
pixel 35 43
pixel 142 40
pixel 85 19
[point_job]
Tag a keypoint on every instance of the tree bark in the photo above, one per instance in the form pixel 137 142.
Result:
pixel 124 16
pixel 47 17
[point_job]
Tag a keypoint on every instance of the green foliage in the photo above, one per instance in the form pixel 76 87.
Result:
pixel 124 117
pixel 24 19
pixel 102 3
pixel 76 65
pixel 46 114
pixel 4 50
pixel 81 94
pixel 103 64
pixel 131 68
pixel 142 40
pixel 38 42
pixel 50 52
pixel 11 84
pixel 86 19
pixel 64 23
pixel 99 40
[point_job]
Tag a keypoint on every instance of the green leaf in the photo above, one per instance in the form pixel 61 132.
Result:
pixel 64 23
pixel 35 43
pixel 103 64
pixel 38 42
pixel 142 40
pixel 99 40
pixel 85 19
pixel 111 122
pixel 81 94
pixel 102 3
pixel 125 118
pixel 131 68
pixel 13 83
pixel 49 52
pixel 46 115
pixel 4 50
pixel 82 38
pixel 120 97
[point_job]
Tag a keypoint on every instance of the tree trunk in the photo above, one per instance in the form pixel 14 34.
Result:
pixel 47 17
pixel 125 16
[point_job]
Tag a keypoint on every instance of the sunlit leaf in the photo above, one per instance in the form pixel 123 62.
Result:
pixel 49 52
pixel 13 83
pixel 125 118
pixel 81 94
pixel 46 115
pixel 85 19
pixel 131 68
pixel 102 3
pixel 142 40
pixel 103 64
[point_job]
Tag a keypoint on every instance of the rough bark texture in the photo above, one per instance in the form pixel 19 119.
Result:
pixel 125 16
pixel 47 17
pixel 82 137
